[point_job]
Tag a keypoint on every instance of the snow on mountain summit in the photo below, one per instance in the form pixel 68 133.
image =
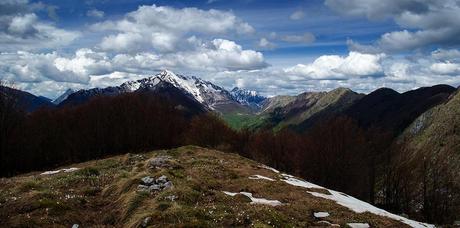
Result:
pixel 247 97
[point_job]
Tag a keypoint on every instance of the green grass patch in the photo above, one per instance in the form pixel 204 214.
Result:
pixel 240 121
pixel 30 185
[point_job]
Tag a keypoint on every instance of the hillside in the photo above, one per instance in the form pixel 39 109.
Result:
pixel 392 111
pixel 26 101
pixel 308 105
pixel 190 186
pixel 438 129
pixel 298 112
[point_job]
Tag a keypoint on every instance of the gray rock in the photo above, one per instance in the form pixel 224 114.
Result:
pixel 75 226
pixel 143 188
pixel 146 221
pixel 160 162
pixel 148 180
pixel 163 179
pixel 154 187
pixel 167 185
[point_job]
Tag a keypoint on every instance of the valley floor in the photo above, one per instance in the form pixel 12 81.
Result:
pixel 189 186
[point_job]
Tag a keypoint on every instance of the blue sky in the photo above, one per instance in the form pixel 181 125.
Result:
pixel 271 46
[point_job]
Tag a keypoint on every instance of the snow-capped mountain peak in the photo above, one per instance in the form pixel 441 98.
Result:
pixel 189 84
pixel 247 97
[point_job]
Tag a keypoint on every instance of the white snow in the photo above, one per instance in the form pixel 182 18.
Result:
pixel 321 214
pixel 59 170
pixel 231 193
pixel 183 82
pixel 328 223
pixel 359 206
pixel 260 177
pixel 269 168
pixel 297 182
pixel 256 200
pixel 358 225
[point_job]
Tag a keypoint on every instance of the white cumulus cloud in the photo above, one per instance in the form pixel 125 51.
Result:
pixel 339 67
pixel 162 28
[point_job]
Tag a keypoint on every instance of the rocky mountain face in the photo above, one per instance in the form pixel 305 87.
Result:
pixel 25 101
pixel 175 187
pixel 248 97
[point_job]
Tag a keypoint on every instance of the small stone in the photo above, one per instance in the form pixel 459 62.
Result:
pixel 75 226
pixel 321 214
pixel 143 188
pixel 167 185
pixel 171 198
pixel 163 179
pixel 154 187
pixel 146 221
pixel 160 162
pixel 148 180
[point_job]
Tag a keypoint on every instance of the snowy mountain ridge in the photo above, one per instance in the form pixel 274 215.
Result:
pixel 205 92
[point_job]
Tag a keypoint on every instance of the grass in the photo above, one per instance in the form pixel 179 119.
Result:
pixel 30 185
pixel 196 200
pixel 135 202
pixel 240 121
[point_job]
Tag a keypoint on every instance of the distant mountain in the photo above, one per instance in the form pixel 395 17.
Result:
pixel 269 104
pixel 248 97
pixel 206 93
pixel 63 96
pixel 305 106
pixel 392 111
pixel 329 105
pixel 26 101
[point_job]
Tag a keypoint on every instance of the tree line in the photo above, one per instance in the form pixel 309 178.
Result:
pixel 335 153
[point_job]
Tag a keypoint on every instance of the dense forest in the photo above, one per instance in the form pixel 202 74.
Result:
pixel 336 153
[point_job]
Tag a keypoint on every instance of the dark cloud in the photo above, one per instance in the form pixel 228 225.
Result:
pixel 423 23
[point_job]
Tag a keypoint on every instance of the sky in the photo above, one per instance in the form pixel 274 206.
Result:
pixel 270 46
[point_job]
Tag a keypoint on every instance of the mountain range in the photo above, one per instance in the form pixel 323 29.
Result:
pixel 383 108
pixel 209 95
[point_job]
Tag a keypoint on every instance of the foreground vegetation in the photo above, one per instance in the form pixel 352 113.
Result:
pixel 103 193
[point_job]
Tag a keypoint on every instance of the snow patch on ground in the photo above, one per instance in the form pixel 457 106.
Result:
pixel 60 170
pixel 359 206
pixel 328 223
pixel 260 177
pixel 358 225
pixel 254 199
pixel 297 182
pixel 321 214
pixel 269 168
